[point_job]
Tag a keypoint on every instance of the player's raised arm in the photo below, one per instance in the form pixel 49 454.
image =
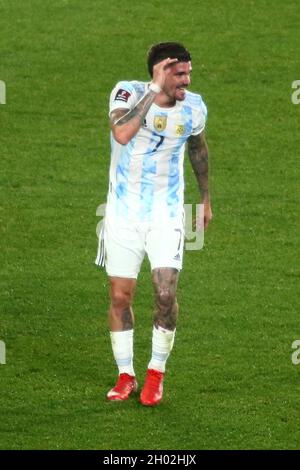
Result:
pixel 198 155
pixel 125 124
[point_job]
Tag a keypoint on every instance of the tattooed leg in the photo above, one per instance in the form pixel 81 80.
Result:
pixel 120 313
pixel 165 317
pixel 165 284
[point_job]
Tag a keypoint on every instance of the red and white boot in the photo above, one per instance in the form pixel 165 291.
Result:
pixel 125 385
pixel 152 392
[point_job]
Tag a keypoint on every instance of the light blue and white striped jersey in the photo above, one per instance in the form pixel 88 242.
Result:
pixel 146 175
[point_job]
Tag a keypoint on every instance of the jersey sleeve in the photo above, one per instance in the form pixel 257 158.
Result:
pixel 200 118
pixel 123 96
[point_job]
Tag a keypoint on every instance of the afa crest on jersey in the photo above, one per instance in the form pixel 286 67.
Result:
pixel 160 123
pixel 179 129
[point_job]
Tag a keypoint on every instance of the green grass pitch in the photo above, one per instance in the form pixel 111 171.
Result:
pixel 231 383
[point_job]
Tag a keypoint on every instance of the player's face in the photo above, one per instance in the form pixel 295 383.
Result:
pixel 178 80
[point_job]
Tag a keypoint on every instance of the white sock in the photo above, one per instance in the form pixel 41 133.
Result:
pixel 162 344
pixel 122 346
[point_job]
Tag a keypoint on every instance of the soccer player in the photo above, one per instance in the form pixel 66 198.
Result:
pixel 150 124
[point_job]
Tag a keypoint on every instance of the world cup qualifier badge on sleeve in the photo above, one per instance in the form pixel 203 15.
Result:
pixel 122 95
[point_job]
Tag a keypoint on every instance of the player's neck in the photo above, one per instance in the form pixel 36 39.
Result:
pixel 164 101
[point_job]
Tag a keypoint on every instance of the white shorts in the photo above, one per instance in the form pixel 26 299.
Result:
pixel 125 245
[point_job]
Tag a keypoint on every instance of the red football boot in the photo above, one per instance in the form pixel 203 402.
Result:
pixel 152 391
pixel 125 385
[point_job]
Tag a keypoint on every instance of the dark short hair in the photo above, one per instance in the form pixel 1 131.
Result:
pixel 163 50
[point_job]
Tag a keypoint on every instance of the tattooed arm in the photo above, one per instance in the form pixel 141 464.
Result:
pixel 125 124
pixel 198 154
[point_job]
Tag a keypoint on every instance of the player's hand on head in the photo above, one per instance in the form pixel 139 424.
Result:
pixel 161 70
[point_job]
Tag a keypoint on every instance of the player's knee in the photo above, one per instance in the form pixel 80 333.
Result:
pixel 121 298
pixel 165 298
